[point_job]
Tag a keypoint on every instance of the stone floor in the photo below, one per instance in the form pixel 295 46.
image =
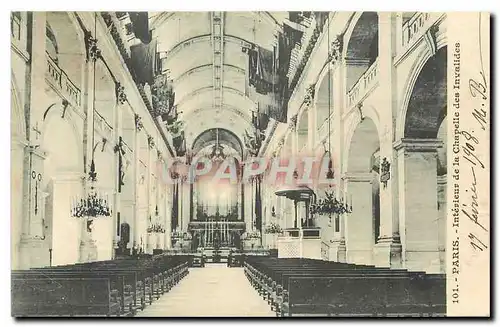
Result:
pixel 213 291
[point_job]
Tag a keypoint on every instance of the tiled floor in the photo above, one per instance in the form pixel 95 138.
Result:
pixel 215 291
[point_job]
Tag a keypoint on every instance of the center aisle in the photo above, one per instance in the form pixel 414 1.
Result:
pixel 215 291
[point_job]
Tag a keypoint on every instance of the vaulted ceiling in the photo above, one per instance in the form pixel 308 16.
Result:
pixel 203 54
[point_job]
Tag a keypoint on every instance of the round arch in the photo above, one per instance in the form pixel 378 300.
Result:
pixel 62 155
pixel 352 124
pixel 416 70
pixel 323 103
pixel 225 136
pixel 361 40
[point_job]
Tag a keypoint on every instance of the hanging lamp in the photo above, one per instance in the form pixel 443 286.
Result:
pixel 93 204
pixel 330 204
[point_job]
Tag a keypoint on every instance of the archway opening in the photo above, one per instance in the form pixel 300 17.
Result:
pixel 425 125
pixel 324 102
pixel 363 224
pixel 303 132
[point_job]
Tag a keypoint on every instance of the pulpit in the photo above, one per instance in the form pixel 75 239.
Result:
pixel 303 240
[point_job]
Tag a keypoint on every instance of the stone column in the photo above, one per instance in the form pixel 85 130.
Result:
pixel 71 242
pixel 33 250
pixel 117 133
pixel 135 178
pixel 359 223
pixel 168 216
pixel 248 206
pixel 442 214
pixel 337 250
pixel 418 212
pixel 186 205
pixel 88 248
pixel 18 197
pixel 150 239
pixel 387 252
pixel 33 156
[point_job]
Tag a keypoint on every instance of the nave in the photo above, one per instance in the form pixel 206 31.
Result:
pixel 170 286
pixel 213 291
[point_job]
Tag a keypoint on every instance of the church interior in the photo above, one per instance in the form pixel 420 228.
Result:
pixel 113 113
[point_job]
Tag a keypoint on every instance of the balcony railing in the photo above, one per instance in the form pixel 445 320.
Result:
pixel 59 80
pixel 102 125
pixel 413 26
pixel 363 85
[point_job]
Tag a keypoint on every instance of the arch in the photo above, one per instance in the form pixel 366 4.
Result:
pixel 426 62
pixel 225 135
pixel 62 156
pixel 303 129
pixel 363 26
pixel 209 66
pixel 364 142
pixel 363 224
pixel 322 102
pixel 196 94
pixel 66 34
pixel 352 123
pixel 361 48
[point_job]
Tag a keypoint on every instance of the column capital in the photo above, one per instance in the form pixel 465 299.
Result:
pixel 417 145
pixel 357 177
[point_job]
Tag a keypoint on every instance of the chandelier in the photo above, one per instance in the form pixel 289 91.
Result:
pixel 93 204
pixel 330 205
pixel 217 153
pixel 156 227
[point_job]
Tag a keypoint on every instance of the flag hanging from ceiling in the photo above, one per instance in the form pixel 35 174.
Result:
pixel 266 83
pixel 140 25
pixel 144 62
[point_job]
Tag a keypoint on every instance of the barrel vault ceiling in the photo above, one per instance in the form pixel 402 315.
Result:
pixel 203 54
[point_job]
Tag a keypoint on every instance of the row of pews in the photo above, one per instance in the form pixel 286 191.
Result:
pixel 103 288
pixel 307 287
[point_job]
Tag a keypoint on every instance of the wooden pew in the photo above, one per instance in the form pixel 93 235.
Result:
pixel 366 295
pixel 130 283
pixel 51 295
pixel 395 292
